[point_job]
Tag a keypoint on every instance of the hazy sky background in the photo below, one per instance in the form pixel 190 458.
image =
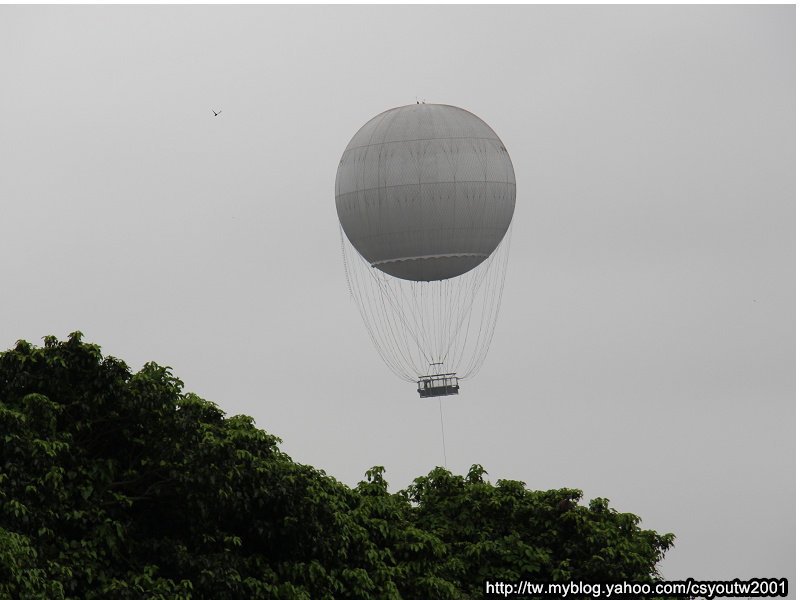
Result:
pixel 645 349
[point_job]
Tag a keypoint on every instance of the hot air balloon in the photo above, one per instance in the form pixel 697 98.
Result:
pixel 425 195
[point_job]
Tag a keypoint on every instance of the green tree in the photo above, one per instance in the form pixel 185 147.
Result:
pixel 120 484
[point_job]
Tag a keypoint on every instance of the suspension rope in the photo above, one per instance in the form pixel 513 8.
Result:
pixel 414 323
pixel 441 422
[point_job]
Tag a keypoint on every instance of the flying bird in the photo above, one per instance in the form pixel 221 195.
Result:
pixel 216 114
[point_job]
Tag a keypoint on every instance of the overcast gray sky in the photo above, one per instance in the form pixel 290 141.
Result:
pixel 645 349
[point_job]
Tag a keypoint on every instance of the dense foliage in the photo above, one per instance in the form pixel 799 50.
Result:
pixel 120 485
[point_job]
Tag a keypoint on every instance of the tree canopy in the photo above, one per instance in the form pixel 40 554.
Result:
pixel 120 484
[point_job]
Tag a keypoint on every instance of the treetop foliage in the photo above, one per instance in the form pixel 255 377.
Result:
pixel 116 484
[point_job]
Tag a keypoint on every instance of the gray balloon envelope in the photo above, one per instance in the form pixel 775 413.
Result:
pixel 425 192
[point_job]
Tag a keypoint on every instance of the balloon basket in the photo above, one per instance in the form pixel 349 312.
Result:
pixel 430 386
